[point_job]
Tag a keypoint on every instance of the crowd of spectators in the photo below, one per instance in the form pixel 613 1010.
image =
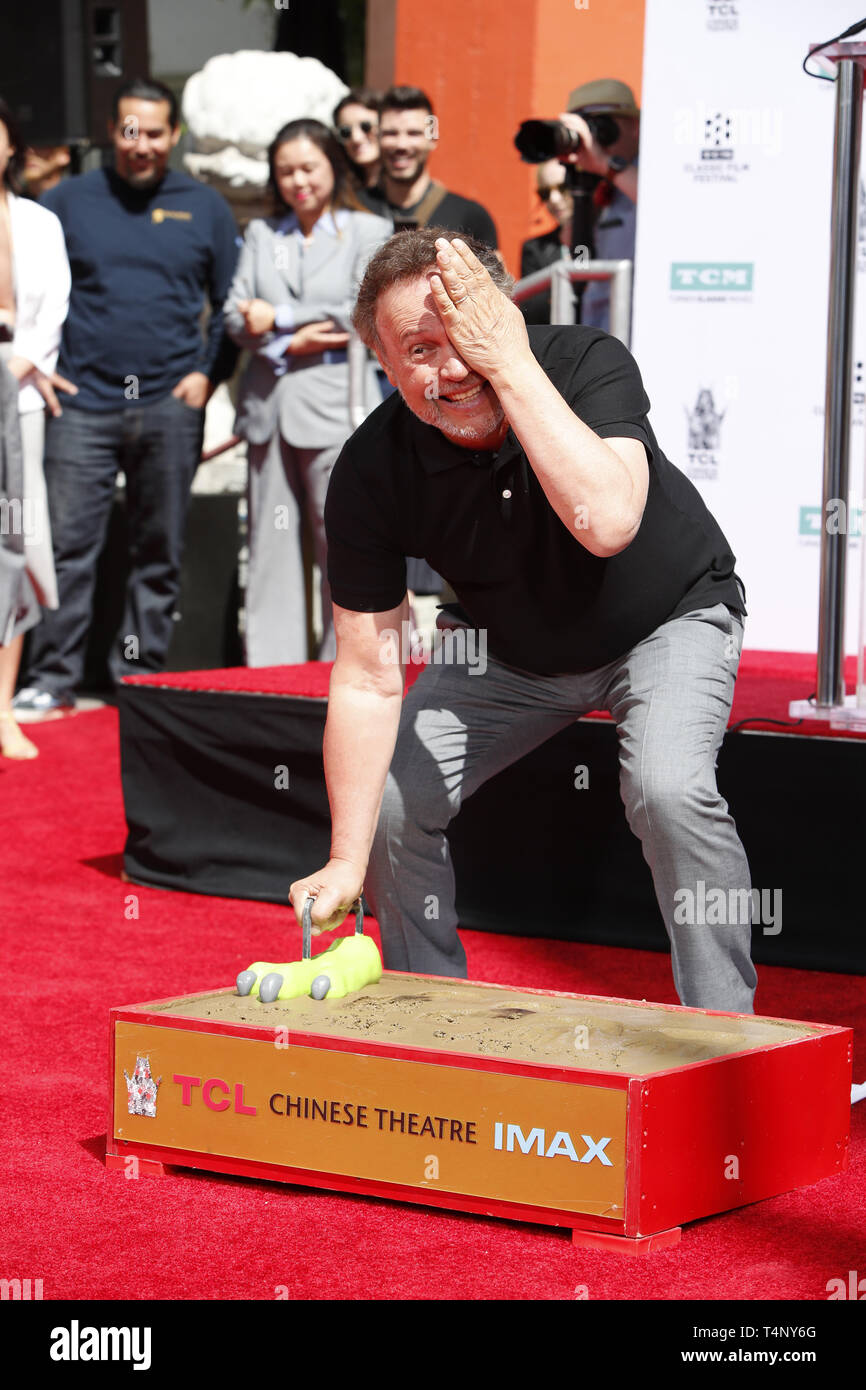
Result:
pixel 104 278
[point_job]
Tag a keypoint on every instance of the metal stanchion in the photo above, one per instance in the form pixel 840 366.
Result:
pixel 357 379
pixel 562 274
pixel 562 305
pixel 840 338
pixel 830 703
pixel 620 302
pixel 861 635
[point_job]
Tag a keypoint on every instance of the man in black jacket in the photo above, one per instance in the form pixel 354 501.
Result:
pixel 146 245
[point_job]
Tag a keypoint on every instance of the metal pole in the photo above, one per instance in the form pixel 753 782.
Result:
pixel 357 380
pixel 619 272
pixel 562 308
pixel 840 328
pixel 620 302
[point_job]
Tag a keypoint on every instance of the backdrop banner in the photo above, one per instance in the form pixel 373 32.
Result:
pixel 731 289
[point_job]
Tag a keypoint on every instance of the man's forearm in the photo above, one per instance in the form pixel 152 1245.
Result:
pixel 360 734
pixel 626 181
pixel 585 481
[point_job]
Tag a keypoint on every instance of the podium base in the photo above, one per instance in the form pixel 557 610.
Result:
pixel 848 716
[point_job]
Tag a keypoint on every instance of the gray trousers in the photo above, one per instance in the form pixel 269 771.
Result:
pixel 37 536
pixel 285 482
pixel 670 696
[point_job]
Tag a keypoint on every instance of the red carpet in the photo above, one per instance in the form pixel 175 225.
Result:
pixel 74 948
pixel 766 683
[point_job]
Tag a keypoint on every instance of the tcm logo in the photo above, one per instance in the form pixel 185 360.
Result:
pixel 712 275
pixel 561 1143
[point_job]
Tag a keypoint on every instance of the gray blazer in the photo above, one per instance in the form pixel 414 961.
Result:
pixel 310 403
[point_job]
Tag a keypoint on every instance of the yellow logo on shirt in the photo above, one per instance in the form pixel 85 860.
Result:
pixel 160 214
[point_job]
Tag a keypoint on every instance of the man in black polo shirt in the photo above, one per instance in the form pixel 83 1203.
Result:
pixel 522 465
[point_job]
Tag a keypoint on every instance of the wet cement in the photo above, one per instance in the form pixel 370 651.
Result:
pixel 491 1021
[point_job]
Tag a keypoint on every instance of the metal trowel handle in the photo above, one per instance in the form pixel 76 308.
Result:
pixel 307 925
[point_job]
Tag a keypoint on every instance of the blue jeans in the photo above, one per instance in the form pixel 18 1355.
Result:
pixel 158 447
pixel 670 696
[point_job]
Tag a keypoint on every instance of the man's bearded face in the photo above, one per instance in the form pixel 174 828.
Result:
pixel 405 143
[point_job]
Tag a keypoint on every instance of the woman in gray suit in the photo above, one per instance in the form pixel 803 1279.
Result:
pixel 290 305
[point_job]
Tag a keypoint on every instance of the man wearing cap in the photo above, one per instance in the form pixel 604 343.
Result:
pixel 616 195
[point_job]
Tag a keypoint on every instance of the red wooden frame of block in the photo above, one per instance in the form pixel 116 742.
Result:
pixel 781 1110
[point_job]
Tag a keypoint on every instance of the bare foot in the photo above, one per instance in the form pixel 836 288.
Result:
pixel 14 744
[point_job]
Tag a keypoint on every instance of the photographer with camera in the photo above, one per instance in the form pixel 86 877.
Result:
pixel 596 112
pixel 597 137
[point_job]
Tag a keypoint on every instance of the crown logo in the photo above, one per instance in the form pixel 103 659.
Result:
pixel 142 1089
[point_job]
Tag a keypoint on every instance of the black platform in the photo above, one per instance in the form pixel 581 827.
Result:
pixel 208 811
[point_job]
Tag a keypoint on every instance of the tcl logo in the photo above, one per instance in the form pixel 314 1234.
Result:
pixel 216 1093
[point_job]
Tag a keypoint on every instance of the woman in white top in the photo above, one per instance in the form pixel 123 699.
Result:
pixel 34 296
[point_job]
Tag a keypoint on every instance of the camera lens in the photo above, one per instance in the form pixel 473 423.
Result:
pixel 540 140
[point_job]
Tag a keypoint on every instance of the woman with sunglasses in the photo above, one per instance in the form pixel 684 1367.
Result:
pixel 356 121
pixel 290 305
pixel 541 251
